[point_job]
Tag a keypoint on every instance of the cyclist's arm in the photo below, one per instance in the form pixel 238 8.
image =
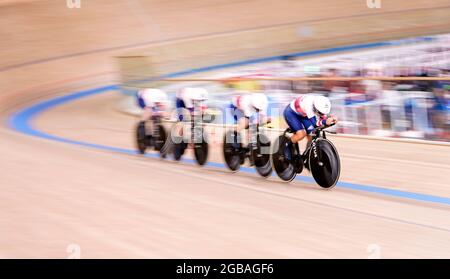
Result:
pixel 323 121
pixel 318 122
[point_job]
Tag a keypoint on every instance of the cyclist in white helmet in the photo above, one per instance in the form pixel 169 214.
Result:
pixel 151 101
pixel 190 97
pixel 305 113
pixel 247 105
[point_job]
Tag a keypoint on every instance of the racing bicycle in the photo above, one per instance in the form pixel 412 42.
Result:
pixel 155 139
pixel 257 150
pixel 321 158
pixel 197 140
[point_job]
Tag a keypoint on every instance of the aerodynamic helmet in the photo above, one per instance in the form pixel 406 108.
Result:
pixel 322 105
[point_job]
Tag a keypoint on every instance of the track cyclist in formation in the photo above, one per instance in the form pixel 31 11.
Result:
pixel 307 117
pixel 305 113
pixel 250 112
pixel 150 132
pixel 245 106
pixel 153 102
pixel 190 98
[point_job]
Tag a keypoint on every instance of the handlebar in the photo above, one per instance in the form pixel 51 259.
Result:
pixel 325 127
pixel 322 128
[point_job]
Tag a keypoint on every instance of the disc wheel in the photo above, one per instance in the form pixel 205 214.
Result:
pixel 160 140
pixel 141 137
pixel 178 150
pixel 232 148
pixel 261 156
pixel 324 163
pixel 177 145
pixel 201 152
pixel 282 159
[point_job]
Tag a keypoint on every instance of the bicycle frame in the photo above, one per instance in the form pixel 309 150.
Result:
pixel 319 132
pixel 156 119
pixel 196 130
pixel 253 130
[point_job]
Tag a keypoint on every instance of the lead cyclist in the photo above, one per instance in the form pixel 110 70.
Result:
pixel 305 113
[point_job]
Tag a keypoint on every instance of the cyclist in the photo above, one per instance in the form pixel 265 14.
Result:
pixel 191 99
pixel 305 113
pixel 245 107
pixel 248 105
pixel 188 98
pixel 151 101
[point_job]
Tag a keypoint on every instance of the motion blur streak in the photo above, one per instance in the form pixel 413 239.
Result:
pixel 21 122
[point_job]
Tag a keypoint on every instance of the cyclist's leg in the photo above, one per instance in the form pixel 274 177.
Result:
pixel 309 127
pixel 185 120
pixel 243 127
pixel 239 119
pixel 147 119
pixel 242 121
pixel 181 112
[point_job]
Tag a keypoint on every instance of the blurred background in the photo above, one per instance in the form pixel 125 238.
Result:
pixel 314 48
pixel 69 72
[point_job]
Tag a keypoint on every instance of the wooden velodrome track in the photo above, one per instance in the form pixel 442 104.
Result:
pixel 55 195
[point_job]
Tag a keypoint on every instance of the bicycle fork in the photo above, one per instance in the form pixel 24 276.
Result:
pixel 313 148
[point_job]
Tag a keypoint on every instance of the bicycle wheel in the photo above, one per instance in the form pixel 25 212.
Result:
pixel 282 159
pixel 178 147
pixel 160 140
pixel 167 147
pixel 261 156
pixel 141 138
pixel 178 151
pixel 201 152
pixel 324 163
pixel 232 147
